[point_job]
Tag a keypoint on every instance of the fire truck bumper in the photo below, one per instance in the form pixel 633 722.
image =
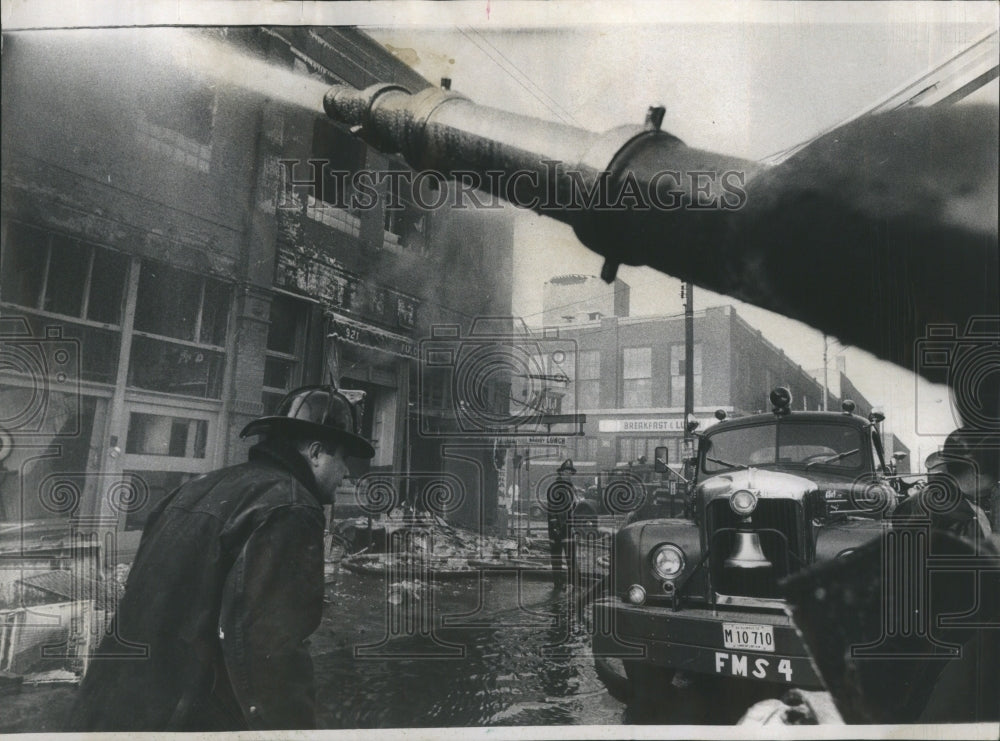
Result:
pixel 759 646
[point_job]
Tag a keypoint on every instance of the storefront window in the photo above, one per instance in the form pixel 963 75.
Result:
pixel 175 369
pixel 171 305
pixel 66 291
pixel 168 302
pixel 108 274
pixel 63 304
pixel 25 260
pixel 47 473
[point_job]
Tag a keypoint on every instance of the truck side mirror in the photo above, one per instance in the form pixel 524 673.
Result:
pixel 660 458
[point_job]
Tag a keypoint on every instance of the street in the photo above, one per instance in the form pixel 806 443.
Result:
pixel 487 666
pixel 502 653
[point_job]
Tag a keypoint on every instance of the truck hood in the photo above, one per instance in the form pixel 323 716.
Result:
pixel 771 484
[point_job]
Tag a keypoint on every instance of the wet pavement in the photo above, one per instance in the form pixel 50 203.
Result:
pixel 487 649
pixel 483 650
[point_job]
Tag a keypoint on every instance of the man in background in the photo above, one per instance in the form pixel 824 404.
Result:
pixel 560 498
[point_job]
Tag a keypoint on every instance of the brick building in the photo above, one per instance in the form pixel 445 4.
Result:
pixel 629 384
pixel 891 442
pixel 165 281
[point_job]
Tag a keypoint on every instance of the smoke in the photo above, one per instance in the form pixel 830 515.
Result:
pixel 105 63
pixel 226 64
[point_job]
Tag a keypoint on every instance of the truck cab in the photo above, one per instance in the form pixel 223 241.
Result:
pixel 771 495
pixel 627 493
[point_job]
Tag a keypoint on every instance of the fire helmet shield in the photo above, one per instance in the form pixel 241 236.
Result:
pixel 322 411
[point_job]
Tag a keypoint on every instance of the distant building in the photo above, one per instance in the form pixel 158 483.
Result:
pixel 890 441
pixel 628 381
pixel 577 299
pixel 848 390
pixel 894 445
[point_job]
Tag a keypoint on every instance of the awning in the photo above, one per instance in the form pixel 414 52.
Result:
pixel 358 333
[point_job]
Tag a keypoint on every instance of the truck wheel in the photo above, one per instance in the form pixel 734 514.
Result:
pixel 649 691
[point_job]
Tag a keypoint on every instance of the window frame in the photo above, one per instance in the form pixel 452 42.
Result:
pixel 582 377
pixel 296 357
pixel 394 220
pixel 173 143
pixel 39 307
pixel 630 378
pixel 221 350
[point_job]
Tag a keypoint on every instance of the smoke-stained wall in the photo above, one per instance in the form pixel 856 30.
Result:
pixel 108 147
pixel 83 150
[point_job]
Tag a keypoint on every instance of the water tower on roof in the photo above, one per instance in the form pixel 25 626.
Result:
pixel 577 299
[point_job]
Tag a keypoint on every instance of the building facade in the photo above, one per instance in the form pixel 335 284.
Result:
pixel 175 260
pixel 629 382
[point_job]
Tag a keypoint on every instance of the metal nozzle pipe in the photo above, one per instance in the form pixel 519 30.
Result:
pixel 870 233
pixel 562 171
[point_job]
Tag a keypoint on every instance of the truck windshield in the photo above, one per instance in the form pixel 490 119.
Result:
pixel 804 444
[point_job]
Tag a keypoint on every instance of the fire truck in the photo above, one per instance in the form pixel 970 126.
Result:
pixel 771 495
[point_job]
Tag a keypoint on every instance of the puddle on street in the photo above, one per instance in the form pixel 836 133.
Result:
pixel 495 651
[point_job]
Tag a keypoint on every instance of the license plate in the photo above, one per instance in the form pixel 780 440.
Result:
pixel 750 666
pixel 748 637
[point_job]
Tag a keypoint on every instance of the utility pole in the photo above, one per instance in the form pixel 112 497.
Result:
pixel 825 391
pixel 688 364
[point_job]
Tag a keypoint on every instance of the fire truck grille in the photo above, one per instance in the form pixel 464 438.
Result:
pixel 777 522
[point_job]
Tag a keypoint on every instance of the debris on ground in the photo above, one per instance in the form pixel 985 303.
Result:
pixel 419 543
pixel 400 591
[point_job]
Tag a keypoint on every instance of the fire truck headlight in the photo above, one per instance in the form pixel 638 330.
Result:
pixel 668 561
pixel 743 502
pixel 636 595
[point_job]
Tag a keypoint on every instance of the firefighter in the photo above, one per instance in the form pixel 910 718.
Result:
pixel 560 498
pixel 227 585
pixel 963 475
